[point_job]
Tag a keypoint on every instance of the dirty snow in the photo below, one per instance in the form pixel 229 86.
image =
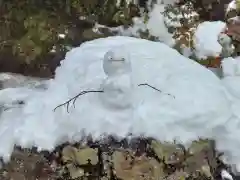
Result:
pixel 206 39
pixel 191 97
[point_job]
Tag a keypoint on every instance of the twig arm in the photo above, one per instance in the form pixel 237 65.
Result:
pixel 75 98
pixel 145 84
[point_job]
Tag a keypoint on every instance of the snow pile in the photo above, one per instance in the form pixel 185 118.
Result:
pixel 192 101
pixel 206 39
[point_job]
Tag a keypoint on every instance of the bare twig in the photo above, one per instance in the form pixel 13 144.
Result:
pixel 145 84
pixel 98 91
pixel 75 98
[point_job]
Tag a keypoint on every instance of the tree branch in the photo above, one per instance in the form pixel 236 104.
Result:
pixel 99 91
pixel 145 84
pixel 75 98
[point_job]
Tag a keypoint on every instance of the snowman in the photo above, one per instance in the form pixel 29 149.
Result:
pixel 117 86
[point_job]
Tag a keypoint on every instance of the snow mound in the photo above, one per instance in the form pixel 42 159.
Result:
pixel 206 39
pixel 192 101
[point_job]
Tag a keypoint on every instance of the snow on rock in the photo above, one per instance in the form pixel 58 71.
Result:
pixel 178 98
pixel 206 39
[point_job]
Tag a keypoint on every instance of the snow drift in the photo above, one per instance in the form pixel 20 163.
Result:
pixel 181 100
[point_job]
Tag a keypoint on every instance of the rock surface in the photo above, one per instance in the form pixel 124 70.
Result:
pixel 141 159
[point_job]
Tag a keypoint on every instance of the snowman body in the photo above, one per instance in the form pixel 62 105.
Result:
pixel 117 91
pixel 118 85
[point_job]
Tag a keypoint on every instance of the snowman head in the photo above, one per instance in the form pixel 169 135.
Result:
pixel 116 61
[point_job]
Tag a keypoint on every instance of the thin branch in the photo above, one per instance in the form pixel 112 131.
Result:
pixel 75 98
pixel 97 91
pixel 145 84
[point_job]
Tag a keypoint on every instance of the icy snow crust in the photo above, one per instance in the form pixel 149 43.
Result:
pixel 197 105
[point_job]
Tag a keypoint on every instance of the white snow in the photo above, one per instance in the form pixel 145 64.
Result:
pixel 231 71
pixel 206 39
pixel 231 80
pixel 157 27
pixel 193 101
pixel 231 66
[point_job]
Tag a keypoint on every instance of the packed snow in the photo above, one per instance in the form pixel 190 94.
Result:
pixel 206 39
pixel 193 102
